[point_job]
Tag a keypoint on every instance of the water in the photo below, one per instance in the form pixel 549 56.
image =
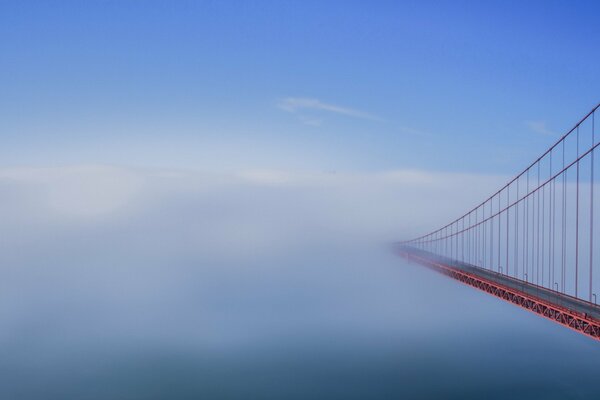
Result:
pixel 233 291
pixel 340 326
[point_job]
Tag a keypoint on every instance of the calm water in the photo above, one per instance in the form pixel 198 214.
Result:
pixel 328 323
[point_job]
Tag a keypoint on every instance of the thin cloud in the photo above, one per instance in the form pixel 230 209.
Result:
pixel 294 104
pixel 540 127
pixel 413 132
pixel 311 121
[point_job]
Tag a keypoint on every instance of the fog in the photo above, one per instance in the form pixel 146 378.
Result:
pixel 145 283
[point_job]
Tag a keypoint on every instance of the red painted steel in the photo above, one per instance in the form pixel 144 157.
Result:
pixel 530 238
pixel 579 322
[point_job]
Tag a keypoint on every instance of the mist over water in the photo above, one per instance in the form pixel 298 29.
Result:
pixel 151 284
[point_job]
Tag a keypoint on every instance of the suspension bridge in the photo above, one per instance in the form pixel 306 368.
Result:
pixel 534 242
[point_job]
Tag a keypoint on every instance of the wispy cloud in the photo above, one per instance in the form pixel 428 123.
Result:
pixel 413 132
pixel 311 121
pixel 302 106
pixel 295 104
pixel 541 128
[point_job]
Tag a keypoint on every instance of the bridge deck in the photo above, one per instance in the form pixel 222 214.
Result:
pixel 585 310
pixel 534 290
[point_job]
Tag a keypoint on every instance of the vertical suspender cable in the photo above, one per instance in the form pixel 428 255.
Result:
pixel 577 221
pixel 551 223
pixel 526 236
pixel 542 232
pixel 499 223
pixel 516 267
pixel 507 221
pixel 537 232
pixel 564 226
pixel 592 211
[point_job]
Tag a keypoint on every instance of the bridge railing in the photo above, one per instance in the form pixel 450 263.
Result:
pixel 541 227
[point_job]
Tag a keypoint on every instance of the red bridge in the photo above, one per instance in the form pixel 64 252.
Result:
pixel 532 243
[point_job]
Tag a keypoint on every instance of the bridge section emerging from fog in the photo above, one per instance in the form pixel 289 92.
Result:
pixel 534 242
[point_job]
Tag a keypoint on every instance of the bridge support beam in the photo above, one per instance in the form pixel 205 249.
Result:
pixel 574 320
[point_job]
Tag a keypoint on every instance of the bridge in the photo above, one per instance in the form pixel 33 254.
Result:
pixel 534 242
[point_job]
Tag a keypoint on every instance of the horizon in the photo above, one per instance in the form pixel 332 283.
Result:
pixel 199 199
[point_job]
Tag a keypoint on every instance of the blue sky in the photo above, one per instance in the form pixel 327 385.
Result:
pixel 168 206
pixel 327 86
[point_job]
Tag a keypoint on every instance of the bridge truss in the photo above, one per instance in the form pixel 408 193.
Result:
pixel 534 242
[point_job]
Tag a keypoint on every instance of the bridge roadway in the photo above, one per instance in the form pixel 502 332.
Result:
pixel 551 296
